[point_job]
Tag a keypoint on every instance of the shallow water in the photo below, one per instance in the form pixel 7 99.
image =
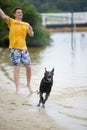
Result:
pixel 69 93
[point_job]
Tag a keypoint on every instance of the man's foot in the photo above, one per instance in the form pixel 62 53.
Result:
pixel 30 90
pixel 19 91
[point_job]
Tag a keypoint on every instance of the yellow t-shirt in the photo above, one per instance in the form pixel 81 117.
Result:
pixel 17 34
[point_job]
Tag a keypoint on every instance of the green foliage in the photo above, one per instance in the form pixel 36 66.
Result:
pixel 31 15
pixel 42 38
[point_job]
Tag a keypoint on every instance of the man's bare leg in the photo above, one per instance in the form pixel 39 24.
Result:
pixel 28 76
pixel 16 79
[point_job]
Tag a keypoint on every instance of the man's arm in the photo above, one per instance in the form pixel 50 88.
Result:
pixel 30 31
pixel 4 16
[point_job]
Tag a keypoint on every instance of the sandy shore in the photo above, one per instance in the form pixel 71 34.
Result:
pixel 19 112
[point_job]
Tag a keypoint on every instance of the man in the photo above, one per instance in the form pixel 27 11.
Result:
pixel 17 44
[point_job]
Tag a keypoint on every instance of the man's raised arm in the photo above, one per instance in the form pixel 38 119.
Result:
pixel 4 16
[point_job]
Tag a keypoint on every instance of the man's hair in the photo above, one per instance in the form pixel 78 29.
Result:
pixel 16 8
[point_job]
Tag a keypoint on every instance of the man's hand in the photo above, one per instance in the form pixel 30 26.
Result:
pixel 30 31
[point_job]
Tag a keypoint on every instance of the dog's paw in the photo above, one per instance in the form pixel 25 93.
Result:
pixel 43 106
pixel 38 105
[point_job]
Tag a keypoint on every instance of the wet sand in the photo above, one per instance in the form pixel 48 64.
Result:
pixel 19 112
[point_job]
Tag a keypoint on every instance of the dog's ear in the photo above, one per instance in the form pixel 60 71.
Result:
pixel 45 69
pixel 52 71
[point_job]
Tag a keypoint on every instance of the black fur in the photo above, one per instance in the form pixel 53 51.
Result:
pixel 45 86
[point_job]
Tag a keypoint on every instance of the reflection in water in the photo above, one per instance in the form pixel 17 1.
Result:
pixel 70 77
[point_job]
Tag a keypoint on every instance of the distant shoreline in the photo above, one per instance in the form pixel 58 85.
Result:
pixel 66 29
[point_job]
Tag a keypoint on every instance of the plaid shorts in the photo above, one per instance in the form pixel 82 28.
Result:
pixel 20 56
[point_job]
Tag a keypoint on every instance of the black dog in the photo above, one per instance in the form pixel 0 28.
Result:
pixel 45 86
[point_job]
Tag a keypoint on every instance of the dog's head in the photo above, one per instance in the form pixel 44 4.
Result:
pixel 48 75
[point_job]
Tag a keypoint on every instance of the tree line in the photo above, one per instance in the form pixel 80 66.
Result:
pixel 60 5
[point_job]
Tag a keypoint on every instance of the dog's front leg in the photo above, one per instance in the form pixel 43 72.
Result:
pixel 41 99
pixel 46 97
